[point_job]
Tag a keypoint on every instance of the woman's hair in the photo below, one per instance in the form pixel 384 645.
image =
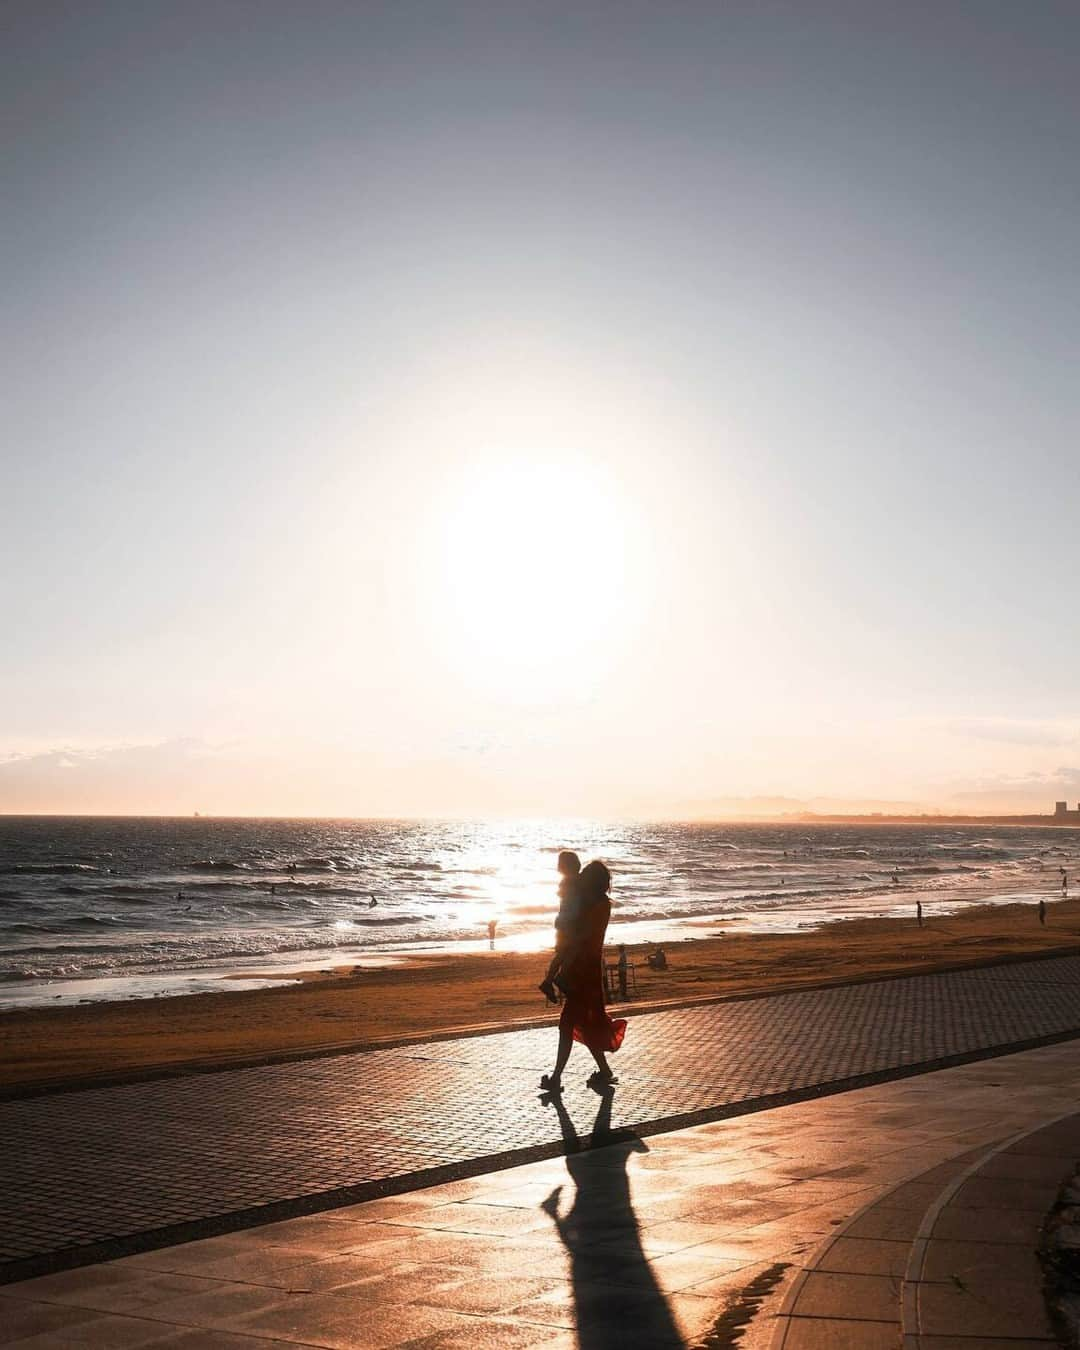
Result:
pixel 595 879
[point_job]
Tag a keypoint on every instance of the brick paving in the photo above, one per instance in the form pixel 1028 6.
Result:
pixel 96 1166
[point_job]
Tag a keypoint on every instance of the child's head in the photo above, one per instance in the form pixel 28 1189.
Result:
pixel 569 863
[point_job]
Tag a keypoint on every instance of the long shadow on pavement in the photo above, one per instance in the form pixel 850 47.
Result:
pixel 618 1303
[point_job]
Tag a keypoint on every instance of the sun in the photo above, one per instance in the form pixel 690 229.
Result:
pixel 534 577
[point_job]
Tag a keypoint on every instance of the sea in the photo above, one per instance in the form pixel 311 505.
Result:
pixel 94 908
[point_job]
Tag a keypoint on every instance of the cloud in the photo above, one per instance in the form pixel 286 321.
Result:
pixel 767 807
pixel 1017 730
pixel 105 778
pixel 1032 792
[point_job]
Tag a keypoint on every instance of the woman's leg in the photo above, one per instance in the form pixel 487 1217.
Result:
pixel 601 1062
pixel 566 1042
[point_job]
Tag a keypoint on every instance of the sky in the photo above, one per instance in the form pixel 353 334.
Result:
pixel 656 409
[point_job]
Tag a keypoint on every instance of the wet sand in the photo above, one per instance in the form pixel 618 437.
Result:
pixel 432 993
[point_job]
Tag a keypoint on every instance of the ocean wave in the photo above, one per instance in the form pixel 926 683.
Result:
pixel 102 961
pixel 45 869
pixel 390 921
pixel 282 903
pixel 67 923
pixel 214 865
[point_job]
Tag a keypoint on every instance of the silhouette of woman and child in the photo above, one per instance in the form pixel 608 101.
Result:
pixel 599 1227
pixel 576 970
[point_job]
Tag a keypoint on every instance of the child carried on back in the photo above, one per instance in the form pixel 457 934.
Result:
pixel 565 925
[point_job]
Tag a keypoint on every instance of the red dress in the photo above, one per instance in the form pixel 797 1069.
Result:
pixel 584 1009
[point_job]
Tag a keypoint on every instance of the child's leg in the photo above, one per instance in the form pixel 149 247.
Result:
pixel 547 986
pixel 567 954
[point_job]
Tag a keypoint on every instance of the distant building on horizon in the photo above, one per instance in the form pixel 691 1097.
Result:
pixel 1062 814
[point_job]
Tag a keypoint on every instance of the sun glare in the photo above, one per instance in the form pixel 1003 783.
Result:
pixel 534 578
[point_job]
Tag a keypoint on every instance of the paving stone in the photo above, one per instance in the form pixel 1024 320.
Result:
pixel 871 1298
pixel 605 1314
pixel 492 1334
pixel 188 1339
pixel 342 1323
pixel 990 1225
pixel 103 1332
pixel 675 1235
pixel 683 1272
pixel 985 1307
pixel 982 1192
pixel 983 1343
pixel 21 1320
pixel 818 1333
pixel 484 1294
pixel 971 1262
pixel 113 1289
pixel 1052 1169
pixel 865 1256
pixel 88 1166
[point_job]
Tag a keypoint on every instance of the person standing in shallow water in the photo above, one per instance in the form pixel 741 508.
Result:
pixel 584 1017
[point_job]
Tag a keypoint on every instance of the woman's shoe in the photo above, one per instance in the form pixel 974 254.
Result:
pixel 550 1084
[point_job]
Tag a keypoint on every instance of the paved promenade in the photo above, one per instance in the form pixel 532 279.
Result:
pixel 86 1170
pixel 905 1213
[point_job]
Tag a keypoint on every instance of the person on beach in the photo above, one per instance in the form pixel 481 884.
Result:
pixel 492 925
pixel 918 912
pixel 584 1017
pixel 1042 911
pixel 569 867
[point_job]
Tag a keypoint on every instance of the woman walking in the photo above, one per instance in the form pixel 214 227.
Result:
pixel 584 1016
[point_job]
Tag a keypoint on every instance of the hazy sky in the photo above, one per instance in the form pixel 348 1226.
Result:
pixel 432 408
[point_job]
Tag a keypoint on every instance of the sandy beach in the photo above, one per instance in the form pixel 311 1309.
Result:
pixel 428 994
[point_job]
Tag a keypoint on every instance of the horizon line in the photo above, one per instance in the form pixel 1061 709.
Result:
pixel 787 817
